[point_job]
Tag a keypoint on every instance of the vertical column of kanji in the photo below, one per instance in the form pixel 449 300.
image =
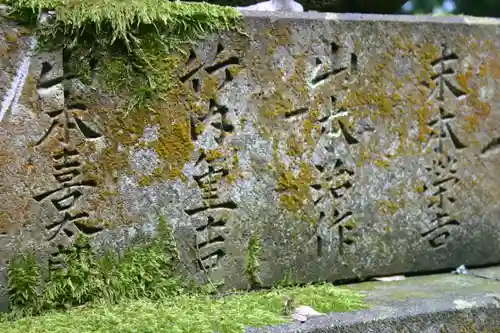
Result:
pixel 331 173
pixel 445 145
pixel 336 228
pixel 213 214
pixel 66 132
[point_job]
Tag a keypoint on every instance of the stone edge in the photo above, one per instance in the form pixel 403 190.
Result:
pixel 447 310
pixel 452 19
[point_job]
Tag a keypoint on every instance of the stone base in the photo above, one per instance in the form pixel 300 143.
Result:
pixel 437 303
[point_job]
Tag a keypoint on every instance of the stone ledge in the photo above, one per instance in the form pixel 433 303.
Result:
pixel 452 19
pixel 468 304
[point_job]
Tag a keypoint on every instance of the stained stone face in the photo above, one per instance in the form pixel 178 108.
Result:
pixel 346 146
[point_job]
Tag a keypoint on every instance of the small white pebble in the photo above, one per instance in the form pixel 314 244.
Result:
pixel 302 313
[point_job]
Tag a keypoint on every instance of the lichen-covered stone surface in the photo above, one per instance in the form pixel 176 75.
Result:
pixel 347 146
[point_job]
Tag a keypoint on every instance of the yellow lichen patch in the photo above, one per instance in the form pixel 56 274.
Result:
pixel 12 42
pixel 365 156
pixel 123 130
pixel 472 123
pixel 480 108
pixel 233 176
pixel 278 36
pixel 294 188
pixel 350 224
pixel 10 35
pixel 311 127
pixel 287 114
pixel 295 146
pixel 274 107
pixel 200 127
pixel 99 223
pixel 174 146
pixel 424 115
pixel 6 157
pixel 29 95
pixel 382 162
pixel 464 78
pixel 17 214
pixel 144 180
pixel 420 187
pixel 213 154
pixel 389 95
pixel 387 207
pixel 29 168
pixel 5 222
pixel 235 171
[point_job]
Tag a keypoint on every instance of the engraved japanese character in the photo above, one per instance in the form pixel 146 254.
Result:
pixel 443 77
pixel 70 225
pixel 218 118
pixel 214 68
pixel 208 180
pixel 443 178
pixel 210 239
pixel 64 120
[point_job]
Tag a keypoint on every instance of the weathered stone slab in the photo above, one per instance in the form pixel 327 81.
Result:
pixel 348 146
pixel 434 303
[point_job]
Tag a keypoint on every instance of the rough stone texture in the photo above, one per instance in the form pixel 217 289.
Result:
pixel 333 139
pixel 436 303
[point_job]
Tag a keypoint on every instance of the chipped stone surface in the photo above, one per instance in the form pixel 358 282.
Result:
pixel 351 146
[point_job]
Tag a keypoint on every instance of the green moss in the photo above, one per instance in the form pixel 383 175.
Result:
pixel 130 39
pixel 252 265
pixel 287 280
pixel 199 313
pixel 145 270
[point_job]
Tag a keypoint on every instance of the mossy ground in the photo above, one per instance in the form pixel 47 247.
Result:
pixel 139 292
pixel 185 314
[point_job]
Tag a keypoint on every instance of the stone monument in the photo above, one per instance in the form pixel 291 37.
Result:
pixel 332 147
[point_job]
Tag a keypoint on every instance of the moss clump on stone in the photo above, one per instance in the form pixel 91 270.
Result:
pixel 146 270
pixel 128 39
pixel 252 265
